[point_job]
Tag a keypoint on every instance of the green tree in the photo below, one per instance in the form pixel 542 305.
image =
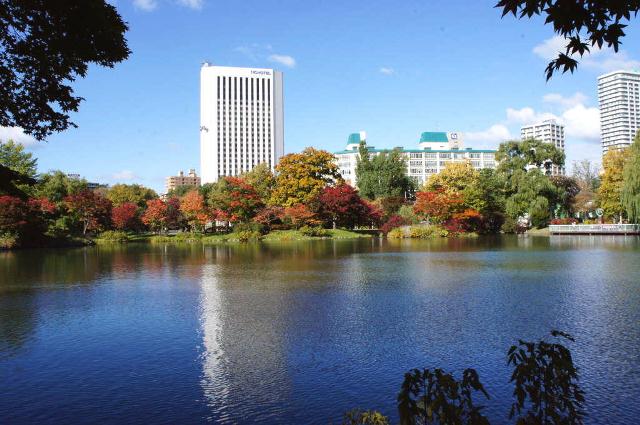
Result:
pixel 521 155
pixel 302 176
pixel 530 194
pixel 486 194
pixel 56 185
pixel 568 189
pixel 44 45
pixel 583 24
pixel 610 190
pixel 383 175
pixel 181 190
pixel 14 157
pixel 631 182
pixel 262 179
pixel 122 193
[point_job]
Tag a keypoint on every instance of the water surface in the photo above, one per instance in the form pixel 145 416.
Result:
pixel 300 332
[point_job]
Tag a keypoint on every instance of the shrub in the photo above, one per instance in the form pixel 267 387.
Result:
pixel 568 220
pixel 113 236
pixel 511 225
pixel 393 222
pixel 397 233
pixel 314 231
pixel 247 235
pixel 248 227
pixel 8 240
pixel 364 417
pixel 187 237
pixel 426 232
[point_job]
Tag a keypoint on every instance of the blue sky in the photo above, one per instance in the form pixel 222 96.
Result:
pixel 391 68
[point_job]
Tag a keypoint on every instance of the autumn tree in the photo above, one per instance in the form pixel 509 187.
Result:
pixel 262 179
pixel 234 200
pixel 383 175
pixel 89 210
pixel 269 216
pixel 631 182
pixel 119 194
pixel 454 178
pixel 155 214
pixel 588 179
pixel 582 24
pixel 300 215
pixel 610 190
pixel 343 206
pixel 45 45
pixel 194 210
pixel 125 216
pixel 437 206
pixel 568 189
pixel 302 176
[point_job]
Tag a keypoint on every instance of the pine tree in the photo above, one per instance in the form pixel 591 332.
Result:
pixel 631 182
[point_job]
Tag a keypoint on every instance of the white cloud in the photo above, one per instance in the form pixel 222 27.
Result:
pixel 495 134
pixel 17 135
pixel 124 175
pixel 387 71
pixel 192 4
pixel 582 122
pixel 565 102
pixel 601 60
pixel 527 115
pixel 285 60
pixel 146 5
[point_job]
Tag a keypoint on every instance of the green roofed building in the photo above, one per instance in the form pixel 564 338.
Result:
pixel 434 151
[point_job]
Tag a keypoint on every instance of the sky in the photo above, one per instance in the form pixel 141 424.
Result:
pixel 391 68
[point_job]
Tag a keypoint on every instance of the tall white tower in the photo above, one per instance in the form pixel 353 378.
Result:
pixel 619 98
pixel 241 120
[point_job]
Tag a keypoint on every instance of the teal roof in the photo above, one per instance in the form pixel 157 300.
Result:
pixel 433 136
pixel 423 150
pixel 353 138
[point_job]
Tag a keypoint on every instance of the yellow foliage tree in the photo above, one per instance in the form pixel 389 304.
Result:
pixel 610 190
pixel 302 176
pixel 455 178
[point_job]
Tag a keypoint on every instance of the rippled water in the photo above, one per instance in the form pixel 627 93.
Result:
pixel 301 332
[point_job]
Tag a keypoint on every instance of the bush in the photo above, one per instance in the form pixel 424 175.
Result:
pixel 407 213
pixel 8 240
pixel 393 222
pixel 248 227
pixel 568 220
pixel 247 235
pixel 427 232
pixel 187 237
pixel 511 226
pixel 314 231
pixel 113 236
pixel 364 417
pixel 397 233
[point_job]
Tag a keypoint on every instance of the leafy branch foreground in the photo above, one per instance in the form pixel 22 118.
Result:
pixel 546 391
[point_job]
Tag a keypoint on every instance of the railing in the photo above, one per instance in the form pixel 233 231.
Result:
pixel 595 229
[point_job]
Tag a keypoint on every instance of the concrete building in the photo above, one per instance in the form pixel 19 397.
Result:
pixel 241 120
pixel 435 150
pixel 548 131
pixel 619 98
pixel 191 179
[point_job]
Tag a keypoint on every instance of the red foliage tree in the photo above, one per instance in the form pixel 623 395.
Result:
pixel 342 206
pixel 90 210
pixel 269 217
pixel 468 220
pixel 125 216
pixel 155 216
pixel 437 206
pixel 173 217
pixel 194 210
pixel 300 215
pixel 393 222
pixel 13 214
pixel 235 200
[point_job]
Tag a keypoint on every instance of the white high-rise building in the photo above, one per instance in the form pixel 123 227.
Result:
pixel 619 98
pixel 241 120
pixel 548 131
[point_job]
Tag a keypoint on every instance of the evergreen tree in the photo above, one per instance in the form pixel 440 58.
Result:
pixel 384 175
pixel 631 182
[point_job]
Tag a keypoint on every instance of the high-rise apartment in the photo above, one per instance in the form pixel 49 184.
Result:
pixel 241 120
pixel 619 98
pixel 548 131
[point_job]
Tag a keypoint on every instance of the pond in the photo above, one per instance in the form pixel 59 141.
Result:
pixel 301 332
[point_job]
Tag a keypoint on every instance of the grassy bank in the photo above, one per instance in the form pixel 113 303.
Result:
pixel 239 237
